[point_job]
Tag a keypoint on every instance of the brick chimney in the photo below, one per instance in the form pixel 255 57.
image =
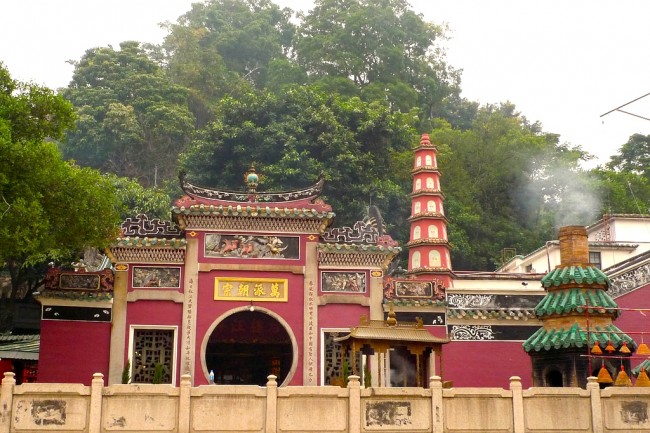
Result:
pixel 574 246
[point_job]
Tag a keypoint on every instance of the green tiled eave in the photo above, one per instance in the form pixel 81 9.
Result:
pixel 77 295
pixel 421 302
pixel 575 300
pixel 575 274
pixel 361 248
pixel 253 211
pixel 150 242
pixel 576 337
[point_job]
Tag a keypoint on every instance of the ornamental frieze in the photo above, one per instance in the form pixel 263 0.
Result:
pixel 490 301
pixel 630 280
pixel 490 332
pixel 471 332
pixel 469 301
pixel 360 232
pixel 142 226
pixel 253 247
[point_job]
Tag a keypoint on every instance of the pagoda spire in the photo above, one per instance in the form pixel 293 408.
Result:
pixel 428 246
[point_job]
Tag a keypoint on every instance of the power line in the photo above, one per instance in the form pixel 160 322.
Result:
pixel 627 103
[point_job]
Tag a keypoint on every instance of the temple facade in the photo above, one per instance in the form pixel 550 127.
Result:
pixel 243 284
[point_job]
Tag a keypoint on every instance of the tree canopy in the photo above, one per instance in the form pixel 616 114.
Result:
pixel 49 208
pixel 132 120
pixel 344 89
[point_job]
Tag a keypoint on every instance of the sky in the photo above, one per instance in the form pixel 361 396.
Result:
pixel 562 63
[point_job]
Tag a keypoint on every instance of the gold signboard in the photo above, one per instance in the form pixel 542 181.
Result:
pixel 250 289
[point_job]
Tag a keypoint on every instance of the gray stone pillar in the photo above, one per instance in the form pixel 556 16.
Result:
pixel 118 328
pixel 310 314
pixel 188 355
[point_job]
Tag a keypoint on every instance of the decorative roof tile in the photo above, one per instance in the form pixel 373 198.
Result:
pixel 575 300
pixel 499 314
pixel 574 274
pixel 20 346
pixel 421 302
pixel 576 337
pixel 360 248
pixel 74 295
pixel 252 211
pixel 150 242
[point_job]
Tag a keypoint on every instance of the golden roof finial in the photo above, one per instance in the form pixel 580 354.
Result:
pixel 391 321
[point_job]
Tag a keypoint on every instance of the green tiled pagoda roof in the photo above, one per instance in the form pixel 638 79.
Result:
pixel 645 365
pixel 575 300
pixel 574 274
pixel 576 337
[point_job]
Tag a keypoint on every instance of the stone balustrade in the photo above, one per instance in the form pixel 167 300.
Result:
pixel 98 408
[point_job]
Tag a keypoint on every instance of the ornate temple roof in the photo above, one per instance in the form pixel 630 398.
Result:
pixel 20 346
pixel 576 337
pixel 398 333
pixel 304 199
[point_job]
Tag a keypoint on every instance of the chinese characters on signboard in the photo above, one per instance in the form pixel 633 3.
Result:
pixel 250 289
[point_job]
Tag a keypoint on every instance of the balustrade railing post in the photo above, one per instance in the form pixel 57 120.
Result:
pixel 517 404
pixel 596 407
pixel 271 421
pixel 185 404
pixel 95 413
pixel 6 401
pixel 437 412
pixel 354 407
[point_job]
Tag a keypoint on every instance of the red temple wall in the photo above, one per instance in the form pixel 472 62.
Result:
pixel 486 363
pixel 75 350
pixel 631 321
pixel 209 310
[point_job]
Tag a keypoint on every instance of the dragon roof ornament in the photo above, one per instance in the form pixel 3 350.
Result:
pixel 208 195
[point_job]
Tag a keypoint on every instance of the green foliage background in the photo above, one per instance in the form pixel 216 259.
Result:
pixel 345 90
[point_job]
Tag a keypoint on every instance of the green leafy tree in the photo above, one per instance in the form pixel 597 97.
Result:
pixel 633 156
pixel 222 47
pixel 294 136
pixel 132 120
pixel 622 191
pixel 505 182
pixel 383 47
pixel 49 208
pixel 136 199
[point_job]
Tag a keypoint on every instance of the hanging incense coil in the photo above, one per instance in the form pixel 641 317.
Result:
pixel 624 348
pixel 609 348
pixel 604 376
pixel 643 350
pixel 622 379
pixel 596 350
pixel 642 379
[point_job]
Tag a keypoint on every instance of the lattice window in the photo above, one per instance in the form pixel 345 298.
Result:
pixel 594 259
pixel 150 348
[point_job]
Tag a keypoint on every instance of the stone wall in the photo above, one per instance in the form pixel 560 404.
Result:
pixel 219 409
